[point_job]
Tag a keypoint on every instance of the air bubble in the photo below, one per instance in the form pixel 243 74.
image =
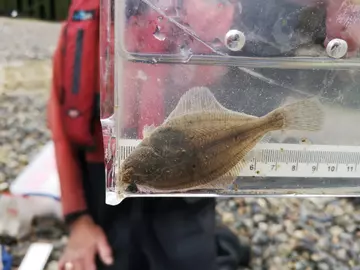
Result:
pixel 186 52
pixel 158 35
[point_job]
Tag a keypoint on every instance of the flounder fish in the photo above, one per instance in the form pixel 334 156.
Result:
pixel 202 145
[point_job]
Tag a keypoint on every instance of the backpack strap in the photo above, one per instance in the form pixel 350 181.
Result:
pixel 78 88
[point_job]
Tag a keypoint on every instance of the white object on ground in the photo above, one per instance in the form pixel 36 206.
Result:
pixel 40 176
pixel 40 182
pixel 18 212
pixel 36 256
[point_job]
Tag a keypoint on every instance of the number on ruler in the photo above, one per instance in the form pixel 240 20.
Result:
pixel 252 167
pixel 350 168
pixel 293 168
pixel 314 168
pixel 331 168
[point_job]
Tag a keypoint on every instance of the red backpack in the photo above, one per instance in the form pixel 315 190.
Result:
pixel 78 87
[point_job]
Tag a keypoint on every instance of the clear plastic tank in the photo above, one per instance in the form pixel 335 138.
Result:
pixel 231 98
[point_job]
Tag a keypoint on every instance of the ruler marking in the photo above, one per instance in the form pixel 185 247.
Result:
pixel 297 163
pixel 290 160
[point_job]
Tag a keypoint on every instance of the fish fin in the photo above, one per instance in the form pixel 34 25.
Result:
pixel 305 114
pixel 199 99
pixel 255 153
pixel 236 170
pixel 223 182
pixel 148 130
pixel 194 100
pixel 266 138
pixel 226 180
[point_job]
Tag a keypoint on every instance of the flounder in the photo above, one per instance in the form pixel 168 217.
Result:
pixel 202 145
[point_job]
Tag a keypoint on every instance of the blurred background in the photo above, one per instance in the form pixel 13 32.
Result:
pixel 293 233
pixel 50 10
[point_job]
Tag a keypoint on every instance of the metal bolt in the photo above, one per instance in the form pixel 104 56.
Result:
pixel 337 48
pixel 235 40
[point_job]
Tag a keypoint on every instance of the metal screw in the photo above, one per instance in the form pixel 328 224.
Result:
pixel 337 48
pixel 235 40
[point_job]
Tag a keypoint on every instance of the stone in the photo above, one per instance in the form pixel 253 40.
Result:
pixel 257 250
pixel 281 237
pixel 274 229
pixel 260 238
pixel 323 266
pixel 228 217
pixel 259 218
pixel 336 230
pixel 341 254
pixel 263 226
pixel 248 222
pixel 289 226
pixel 319 256
pixel 299 234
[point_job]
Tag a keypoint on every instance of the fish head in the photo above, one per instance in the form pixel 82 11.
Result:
pixel 142 166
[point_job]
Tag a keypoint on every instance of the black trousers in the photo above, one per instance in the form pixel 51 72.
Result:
pixel 153 233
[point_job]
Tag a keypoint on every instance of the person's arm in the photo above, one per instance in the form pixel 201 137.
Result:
pixel 72 195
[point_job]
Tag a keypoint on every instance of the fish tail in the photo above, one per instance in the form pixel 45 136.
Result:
pixel 306 114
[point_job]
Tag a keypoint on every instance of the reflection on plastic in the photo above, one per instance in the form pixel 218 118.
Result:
pixel 288 50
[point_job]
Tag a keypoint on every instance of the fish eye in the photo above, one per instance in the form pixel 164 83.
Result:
pixel 127 174
pixel 132 188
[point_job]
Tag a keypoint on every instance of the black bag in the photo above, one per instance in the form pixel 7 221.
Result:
pixel 231 253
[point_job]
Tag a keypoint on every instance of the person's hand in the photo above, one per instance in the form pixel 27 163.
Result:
pixel 85 241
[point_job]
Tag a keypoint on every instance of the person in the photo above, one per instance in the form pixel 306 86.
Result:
pixel 152 233
pixel 141 233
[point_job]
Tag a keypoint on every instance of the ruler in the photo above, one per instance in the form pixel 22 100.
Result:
pixel 291 160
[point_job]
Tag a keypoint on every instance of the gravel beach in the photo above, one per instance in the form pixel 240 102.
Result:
pixel 291 233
